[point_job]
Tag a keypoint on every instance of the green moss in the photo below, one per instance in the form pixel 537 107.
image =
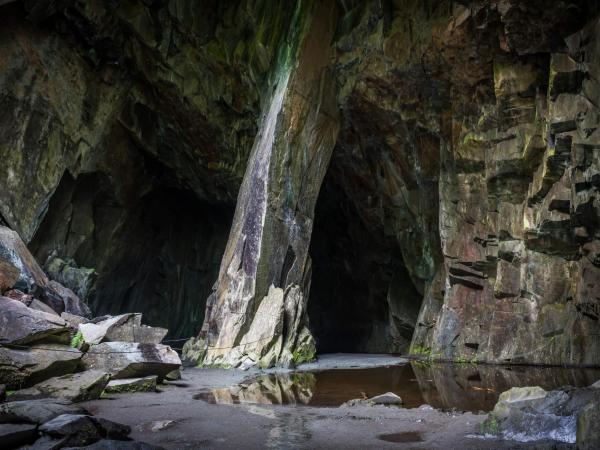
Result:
pixel 303 355
pixel 491 426
pixel 421 351
pixel 77 340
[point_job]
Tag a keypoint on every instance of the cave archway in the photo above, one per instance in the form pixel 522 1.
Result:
pixel 362 298
pixel 158 254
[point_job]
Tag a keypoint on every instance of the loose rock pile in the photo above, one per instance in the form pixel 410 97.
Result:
pixel 53 354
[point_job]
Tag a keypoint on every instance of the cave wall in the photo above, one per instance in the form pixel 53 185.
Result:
pixel 463 179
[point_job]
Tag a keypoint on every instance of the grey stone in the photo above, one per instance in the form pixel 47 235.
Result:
pixel 71 303
pixel 79 428
pixel 106 444
pixel 95 332
pixel 79 279
pixel 131 360
pixel 73 320
pixel 26 367
pixel 389 398
pixel 588 433
pixel 36 411
pixel 22 325
pixel 39 306
pixel 76 387
pixel 9 275
pixel 145 384
pixel 13 435
pixel 174 375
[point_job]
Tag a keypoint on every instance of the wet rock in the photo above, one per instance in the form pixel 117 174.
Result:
pixel 131 360
pixel 78 428
pixel 36 411
pixel 13 435
pixel 588 434
pixel 533 414
pixel 76 387
pixel 25 367
pixel 9 275
pixel 22 325
pixel 146 384
pixel 389 398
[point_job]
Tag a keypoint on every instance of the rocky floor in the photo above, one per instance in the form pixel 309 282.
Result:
pixel 173 419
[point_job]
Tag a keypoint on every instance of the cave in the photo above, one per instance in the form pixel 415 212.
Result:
pixel 157 253
pixel 362 299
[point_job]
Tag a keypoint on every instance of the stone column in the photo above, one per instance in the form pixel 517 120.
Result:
pixel 257 312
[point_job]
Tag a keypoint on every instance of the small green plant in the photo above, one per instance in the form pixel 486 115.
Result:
pixel 77 340
pixel 303 355
pixel 491 426
pixel 421 351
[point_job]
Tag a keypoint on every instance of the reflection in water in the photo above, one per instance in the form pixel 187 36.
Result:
pixel 407 436
pixel 464 387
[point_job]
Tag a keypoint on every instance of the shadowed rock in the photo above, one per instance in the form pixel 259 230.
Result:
pixel 78 387
pixel 22 325
pixel 36 411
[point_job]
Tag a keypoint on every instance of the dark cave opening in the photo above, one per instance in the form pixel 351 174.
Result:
pixel 362 298
pixel 158 254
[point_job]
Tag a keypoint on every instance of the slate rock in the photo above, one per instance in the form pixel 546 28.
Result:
pixel 77 387
pixel 71 303
pixel 40 306
pixel 65 271
pixel 9 275
pixel 73 320
pixel 145 384
pixel 95 332
pixel 389 398
pixel 36 411
pixel 18 295
pixel 588 433
pixel 22 325
pixel 173 375
pixel 131 360
pixel 13 250
pixel 79 428
pixel 13 435
pixel 25 367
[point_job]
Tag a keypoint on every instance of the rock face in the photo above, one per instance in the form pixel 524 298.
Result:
pixel 410 176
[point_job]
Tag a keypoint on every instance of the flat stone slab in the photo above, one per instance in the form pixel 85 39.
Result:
pixel 25 367
pixel 351 361
pixel 13 435
pixel 132 360
pixel 145 384
pixel 36 411
pixel 77 387
pixel 22 325
pixel 94 333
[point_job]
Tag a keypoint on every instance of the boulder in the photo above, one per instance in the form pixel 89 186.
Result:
pixel 596 385
pixel 36 411
pixel 77 387
pixel 132 332
pixel 9 275
pixel 95 333
pixel 173 375
pixel 131 360
pixel 81 429
pixel 533 414
pixel 145 384
pixel 71 303
pixel 389 398
pixel 22 325
pixel 13 435
pixel 26 367
pixel 15 294
pixel 13 250
pixel 39 306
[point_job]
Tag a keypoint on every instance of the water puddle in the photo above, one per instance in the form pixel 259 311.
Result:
pixel 463 387
pixel 407 436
